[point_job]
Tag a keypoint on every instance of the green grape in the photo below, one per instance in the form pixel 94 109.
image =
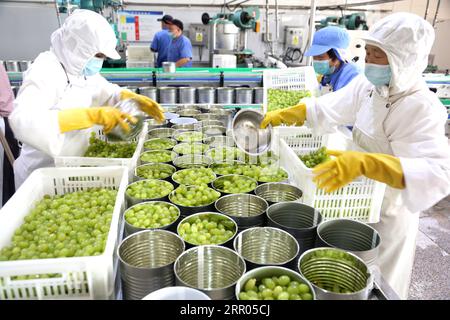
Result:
pixel 102 149
pixel 159 144
pixel 280 99
pixel 275 288
pixel 234 184
pixel 151 215
pixel 157 156
pixel 199 230
pixel 149 189
pixel 194 176
pixel 155 171
pixel 284 280
pixel 250 285
pixel 315 158
pixel 64 226
pixel 194 196
pixel 190 148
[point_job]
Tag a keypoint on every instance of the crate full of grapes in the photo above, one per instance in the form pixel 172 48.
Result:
pixel 359 200
pixel 95 150
pixel 286 87
pixel 59 234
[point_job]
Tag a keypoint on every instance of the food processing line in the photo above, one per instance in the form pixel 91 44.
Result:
pixel 231 87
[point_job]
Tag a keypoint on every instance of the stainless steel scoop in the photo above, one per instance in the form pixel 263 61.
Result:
pixel 247 133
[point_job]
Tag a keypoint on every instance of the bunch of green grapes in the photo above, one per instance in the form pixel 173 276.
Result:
pixel 151 215
pixel 155 171
pixel 225 153
pixel 228 168
pixel 189 148
pixel 194 196
pixel 272 174
pixel 103 149
pixel 280 99
pixel 194 176
pixel 207 229
pixel 157 156
pixel 159 144
pixel 275 288
pixel 314 158
pixel 71 225
pixel 190 136
pixel 149 189
pixel 234 184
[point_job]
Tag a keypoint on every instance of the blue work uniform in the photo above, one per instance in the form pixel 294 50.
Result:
pixel 180 48
pixel 340 77
pixel 161 42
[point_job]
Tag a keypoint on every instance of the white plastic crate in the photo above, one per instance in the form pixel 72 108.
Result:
pixel 80 161
pixel 360 200
pixel 301 78
pixel 79 277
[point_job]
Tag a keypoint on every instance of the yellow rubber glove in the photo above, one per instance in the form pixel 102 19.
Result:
pixel 83 118
pixel 348 165
pixel 295 115
pixel 147 105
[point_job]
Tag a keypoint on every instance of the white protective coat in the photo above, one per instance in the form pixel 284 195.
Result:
pixel 405 120
pixel 48 87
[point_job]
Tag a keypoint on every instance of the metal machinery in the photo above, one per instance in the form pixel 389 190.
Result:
pixel 198 34
pixel 354 21
pixel 229 31
pixel 65 6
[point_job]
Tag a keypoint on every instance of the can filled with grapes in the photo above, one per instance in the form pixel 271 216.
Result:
pixel 146 190
pixel 336 274
pixel 274 283
pixel 151 215
pixel 350 235
pixel 207 228
pixel 162 171
pixel 194 199
pixel 298 219
pixel 266 246
pixel 212 269
pixel 146 262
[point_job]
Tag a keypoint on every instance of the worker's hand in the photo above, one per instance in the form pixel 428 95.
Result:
pixel 348 165
pixel 83 118
pixel 147 105
pixel 295 115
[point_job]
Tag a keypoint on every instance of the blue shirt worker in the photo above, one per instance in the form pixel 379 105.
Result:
pixel 180 49
pixel 328 50
pixel 161 40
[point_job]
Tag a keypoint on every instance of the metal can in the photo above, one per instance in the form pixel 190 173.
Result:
pixel 336 274
pixel 246 210
pixel 266 246
pixel 146 262
pixel 350 235
pixel 298 219
pixel 214 270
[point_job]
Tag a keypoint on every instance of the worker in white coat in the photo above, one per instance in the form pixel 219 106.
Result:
pixel 400 124
pixel 63 94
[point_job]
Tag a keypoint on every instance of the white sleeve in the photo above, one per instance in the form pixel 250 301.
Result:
pixel 419 141
pixel 108 93
pixel 331 110
pixel 33 121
